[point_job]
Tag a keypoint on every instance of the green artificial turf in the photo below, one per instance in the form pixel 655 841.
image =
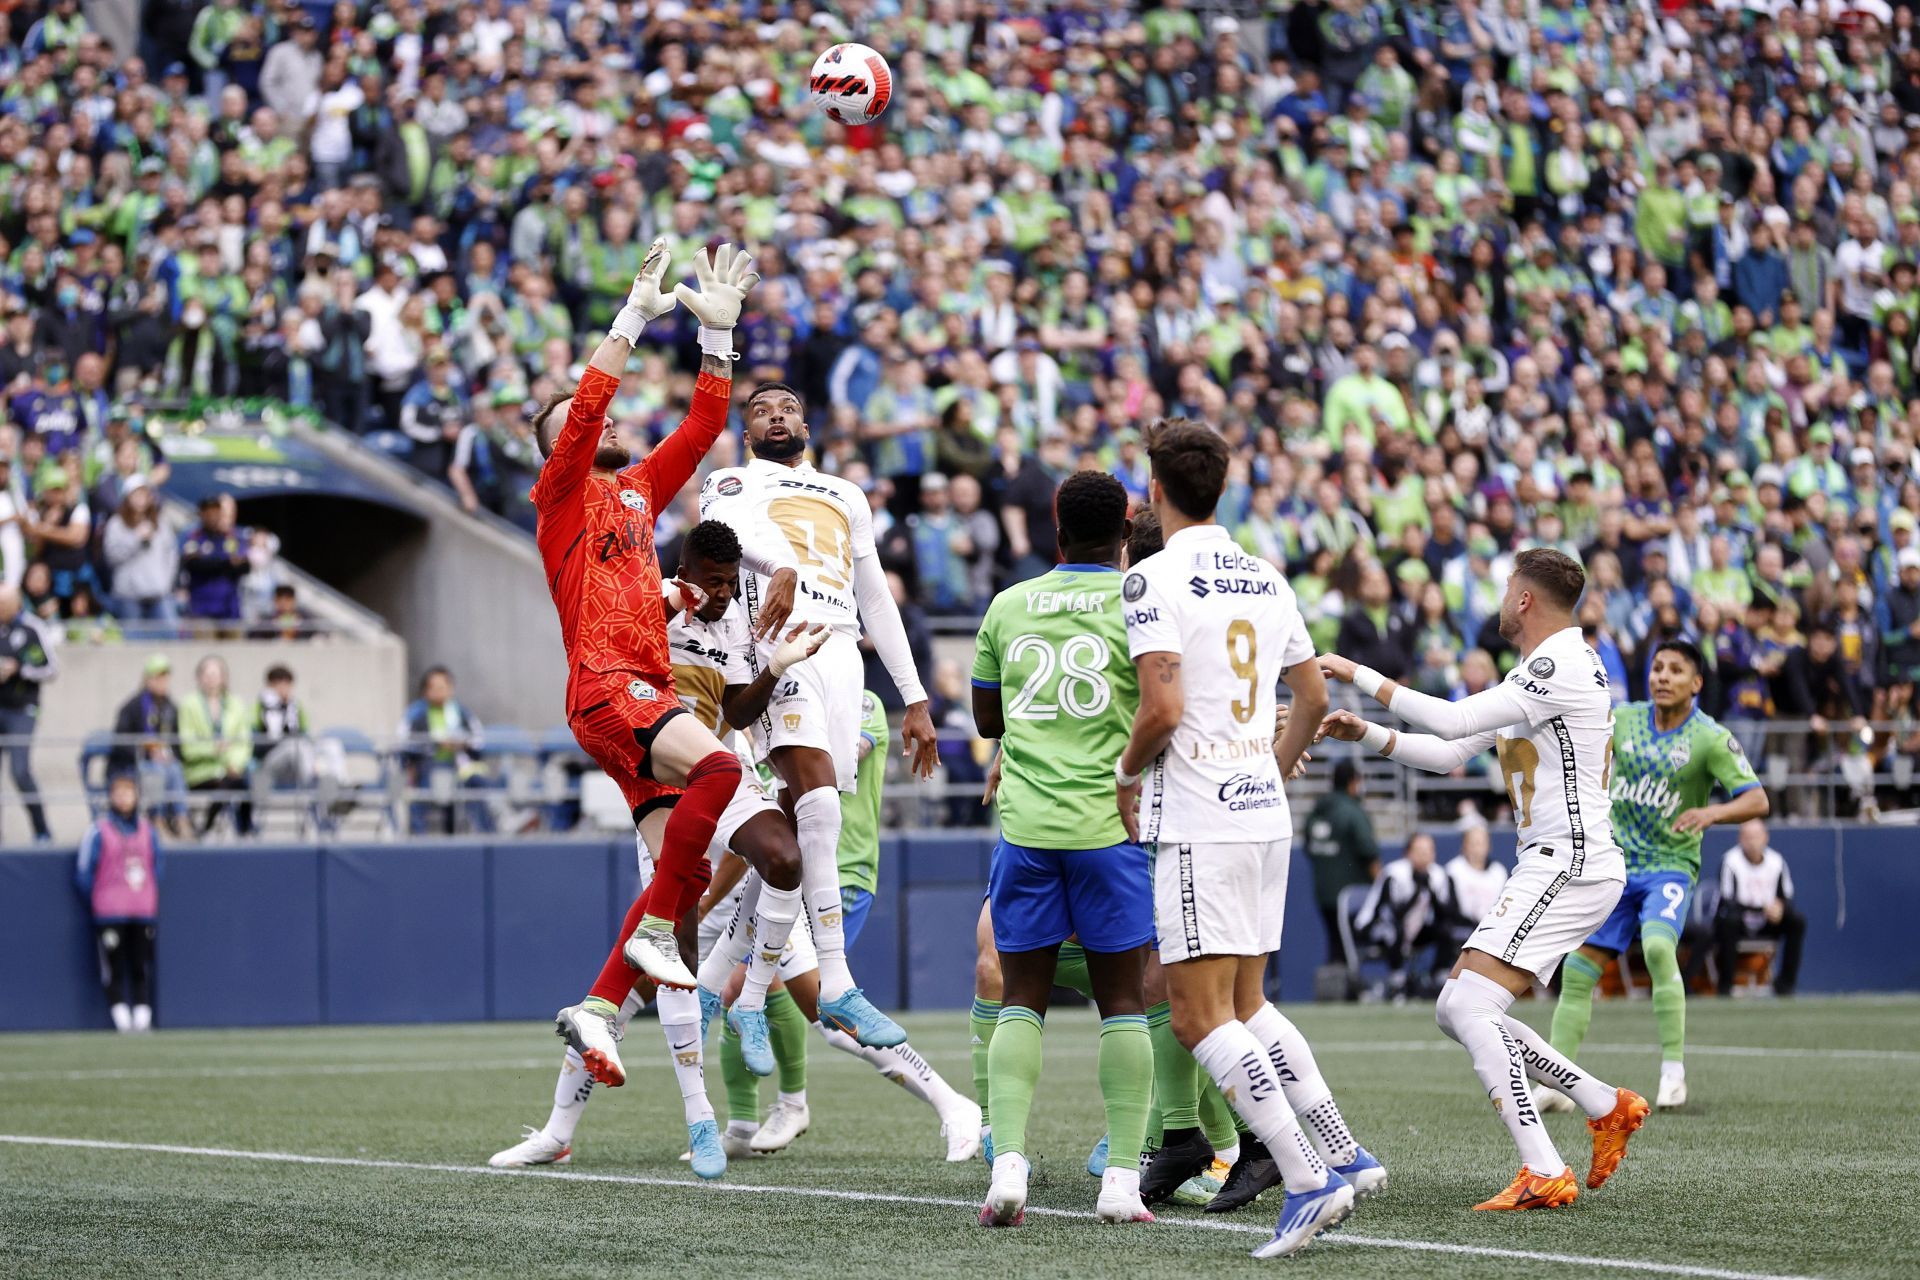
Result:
pixel 1792 1159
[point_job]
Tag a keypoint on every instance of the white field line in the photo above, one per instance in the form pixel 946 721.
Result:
pixel 828 1193
pixel 1060 1049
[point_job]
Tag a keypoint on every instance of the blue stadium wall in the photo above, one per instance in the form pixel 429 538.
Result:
pixel 463 931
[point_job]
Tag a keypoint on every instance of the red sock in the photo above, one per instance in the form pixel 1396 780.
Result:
pixel 616 975
pixel 681 873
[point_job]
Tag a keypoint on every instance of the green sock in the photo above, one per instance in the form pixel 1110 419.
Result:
pixel 1126 1085
pixel 1575 1009
pixel 1176 1076
pixel 1217 1120
pixel 743 1087
pixel 656 922
pixel 1660 947
pixel 787 1029
pixel 985 1016
pixel 1071 971
pixel 1013 1073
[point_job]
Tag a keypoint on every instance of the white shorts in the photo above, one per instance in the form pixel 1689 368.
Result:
pixel 797 958
pixel 1219 899
pixel 1543 913
pixel 749 801
pixel 819 704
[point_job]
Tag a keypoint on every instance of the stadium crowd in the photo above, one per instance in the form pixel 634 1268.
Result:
pixel 1454 279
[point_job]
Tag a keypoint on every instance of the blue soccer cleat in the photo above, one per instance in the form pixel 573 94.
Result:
pixel 1097 1158
pixel 756 1044
pixel 855 1015
pixel 1306 1214
pixel 703 1144
pixel 710 1008
pixel 1367 1175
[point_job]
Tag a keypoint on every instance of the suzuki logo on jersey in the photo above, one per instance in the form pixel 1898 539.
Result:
pixel 1199 585
pixel 1234 587
pixel 634 500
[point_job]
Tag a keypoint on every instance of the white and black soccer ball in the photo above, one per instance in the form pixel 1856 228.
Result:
pixel 852 83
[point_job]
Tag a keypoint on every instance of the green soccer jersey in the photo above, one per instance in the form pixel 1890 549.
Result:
pixel 1657 776
pixel 1056 648
pixel 860 809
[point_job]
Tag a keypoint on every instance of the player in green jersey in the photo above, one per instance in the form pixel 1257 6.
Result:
pixel 1667 756
pixel 1053 681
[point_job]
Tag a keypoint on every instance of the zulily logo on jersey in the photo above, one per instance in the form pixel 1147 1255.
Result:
pixel 1649 791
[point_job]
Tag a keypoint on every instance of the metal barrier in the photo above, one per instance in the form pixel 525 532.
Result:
pixel 517 781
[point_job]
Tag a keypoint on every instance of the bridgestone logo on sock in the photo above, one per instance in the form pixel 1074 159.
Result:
pixel 1258 1081
pixel 1517 1083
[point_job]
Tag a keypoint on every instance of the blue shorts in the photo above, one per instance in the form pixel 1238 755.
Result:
pixel 854 905
pixel 1042 897
pixel 1656 900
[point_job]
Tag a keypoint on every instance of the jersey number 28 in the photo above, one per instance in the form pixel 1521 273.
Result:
pixel 1082 689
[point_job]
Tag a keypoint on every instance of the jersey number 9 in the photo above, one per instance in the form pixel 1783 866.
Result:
pixel 1240 636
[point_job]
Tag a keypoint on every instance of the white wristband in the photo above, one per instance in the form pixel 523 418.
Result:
pixel 718 343
pixel 628 324
pixel 1376 738
pixel 1124 778
pixel 1367 680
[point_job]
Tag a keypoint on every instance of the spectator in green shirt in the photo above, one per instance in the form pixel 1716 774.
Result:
pixel 1341 849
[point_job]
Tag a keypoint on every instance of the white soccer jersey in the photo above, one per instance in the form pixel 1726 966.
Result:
pixel 819 523
pixel 1235 621
pixel 707 657
pixel 1551 723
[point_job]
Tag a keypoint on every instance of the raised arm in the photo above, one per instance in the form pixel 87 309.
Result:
pixel 723 288
pixel 1421 750
pixel 1483 712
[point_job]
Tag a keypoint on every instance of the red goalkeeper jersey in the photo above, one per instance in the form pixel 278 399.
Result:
pixel 596 535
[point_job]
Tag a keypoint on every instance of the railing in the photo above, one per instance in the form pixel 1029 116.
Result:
pixel 511 780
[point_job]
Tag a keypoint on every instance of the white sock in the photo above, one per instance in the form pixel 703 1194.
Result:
pixel 122 1017
pixel 1124 1182
pixel 768 931
pixel 816 815
pixel 1551 1067
pixel 142 1017
pixel 1239 1065
pixel 1228 1154
pixel 1671 1071
pixel 900 1064
pixel 570 1094
pixel 1306 1089
pixel 1472 1010
pixel 742 1128
pixel 735 942
pixel 798 1099
pixel 680 1023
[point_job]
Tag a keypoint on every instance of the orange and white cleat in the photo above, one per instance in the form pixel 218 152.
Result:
pixel 590 1032
pixel 1530 1190
pixel 1610 1134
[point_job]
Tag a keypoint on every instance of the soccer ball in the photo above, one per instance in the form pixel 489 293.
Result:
pixel 851 83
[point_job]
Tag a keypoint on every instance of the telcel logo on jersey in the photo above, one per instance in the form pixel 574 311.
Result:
pixel 1243 791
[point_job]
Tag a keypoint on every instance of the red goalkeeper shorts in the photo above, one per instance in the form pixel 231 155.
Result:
pixel 619 715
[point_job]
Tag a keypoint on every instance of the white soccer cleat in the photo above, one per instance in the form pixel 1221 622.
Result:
pixel 534 1149
pixel 1673 1087
pixel 1006 1204
pixel 1547 1100
pixel 596 1039
pixel 960 1126
pixel 785 1122
pixel 1120 1200
pixel 737 1143
pixel 656 953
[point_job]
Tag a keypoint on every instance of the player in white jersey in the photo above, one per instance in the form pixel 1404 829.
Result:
pixel 791 517
pixel 1213 632
pixel 1551 724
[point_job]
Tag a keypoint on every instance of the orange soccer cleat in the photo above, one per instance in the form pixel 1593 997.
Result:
pixel 1530 1190
pixel 1610 1134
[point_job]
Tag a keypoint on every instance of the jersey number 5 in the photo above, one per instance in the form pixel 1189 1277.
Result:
pixel 817 532
pixel 1082 688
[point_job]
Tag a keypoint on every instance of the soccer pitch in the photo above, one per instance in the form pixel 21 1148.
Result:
pixel 361 1151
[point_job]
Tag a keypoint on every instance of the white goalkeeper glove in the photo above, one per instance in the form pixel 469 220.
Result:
pixel 646 301
pixel 724 284
pixel 801 643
